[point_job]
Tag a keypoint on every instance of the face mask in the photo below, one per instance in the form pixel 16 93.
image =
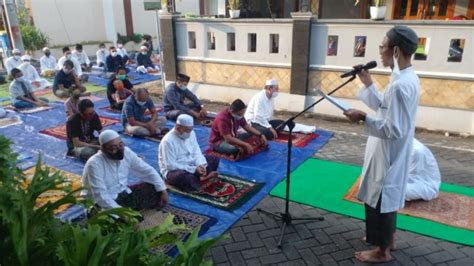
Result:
pixel 141 103
pixel 26 62
pixel 144 53
pixel 121 77
pixel 116 156
pixel 68 56
pixel 396 69
pixel 47 54
pixel 274 94
pixel 237 117
pixel 185 135
pixel 119 46
pixel 183 88
pixel 21 79
pixel 102 50
pixel 67 71
pixel 114 54
pixel 17 57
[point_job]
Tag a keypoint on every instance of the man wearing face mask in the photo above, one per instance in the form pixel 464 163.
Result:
pixel 224 136
pixel 120 74
pixel 21 92
pixel 391 132
pixel 31 75
pixel 260 110
pixel 67 55
pixel 144 63
pixel 175 95
pixel 48 63
pixel 80 130
pixel 106 177
pixel 134 120
pixel 101 55
pixel 122 52
pixel 13 61
pixel 80 55
pixel 182 163
pixel 114 61
pixel 66 81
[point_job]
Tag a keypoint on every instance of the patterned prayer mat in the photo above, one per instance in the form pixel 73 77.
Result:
pixel 43 92
pixel 449 208
pixel 109 109
pixel 253 140
pixel 298 139
pixel 192 220
pixel 10 121
pixel 93 98
pixel 226 192
pixel 35 109
pixel 60 131
pixel 74 180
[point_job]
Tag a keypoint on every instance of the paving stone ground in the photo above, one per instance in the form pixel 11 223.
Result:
pixel 253 239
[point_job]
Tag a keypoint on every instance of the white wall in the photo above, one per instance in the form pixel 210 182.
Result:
pixel 144 22
pixel 187 6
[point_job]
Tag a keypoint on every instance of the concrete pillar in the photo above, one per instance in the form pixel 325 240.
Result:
pixel 169 46
pixel 300 52
pixel 15 34
pixel 109 20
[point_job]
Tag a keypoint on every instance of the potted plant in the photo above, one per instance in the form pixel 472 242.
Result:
pixel 377 10
pixel 234 8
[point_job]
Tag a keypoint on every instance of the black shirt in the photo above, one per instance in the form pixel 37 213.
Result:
pixel 67 80
pixel 76 127
pixel 111 89
pixel 113 63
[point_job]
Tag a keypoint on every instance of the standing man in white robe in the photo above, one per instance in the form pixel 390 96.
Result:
pixel 48 63
pixel 13 61
pixel 424 177
pixel 391 132
pixel 30 74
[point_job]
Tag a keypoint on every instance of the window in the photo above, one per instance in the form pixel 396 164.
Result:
pixel 252 42
pixel 230 41
pixel 211 41
pixel 359 46
pixel 274 43
pixel 192 40
pixel 421 52
pixel 456 48
pixel 332 45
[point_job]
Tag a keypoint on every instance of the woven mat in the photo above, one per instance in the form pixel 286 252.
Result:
pixel 227 192
pixel 35 109
pixel 115 111
pixel 449 208
pixel 298 139
pixel 60 131
pixel 10 121
pixel 252 140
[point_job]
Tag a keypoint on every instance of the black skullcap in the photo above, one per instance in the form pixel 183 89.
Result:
pixel 182 77
pixel 403 37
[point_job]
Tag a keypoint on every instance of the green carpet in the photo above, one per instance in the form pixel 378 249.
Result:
pixel 323 184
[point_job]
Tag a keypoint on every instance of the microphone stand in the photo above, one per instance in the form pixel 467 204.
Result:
pixel 286 217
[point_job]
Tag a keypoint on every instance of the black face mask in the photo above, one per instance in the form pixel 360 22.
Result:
pixel 47 54
pixel 116 156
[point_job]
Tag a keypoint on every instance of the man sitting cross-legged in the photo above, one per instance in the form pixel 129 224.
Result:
pixel 181 161
pixel 224 137
pixel 134 120
pixel 105 177
pixel 21 92
pixel 66 82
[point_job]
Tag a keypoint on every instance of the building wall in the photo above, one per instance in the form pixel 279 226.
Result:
pixel 187 6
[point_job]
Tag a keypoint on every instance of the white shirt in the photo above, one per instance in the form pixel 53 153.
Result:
pixel 424 177
pixel 390 142
pixel 175 153
pixel 29 72
pixel 105 178
pixel 77 66
pixel 12 63
pixel 122 52
pixel 260 109
pixel 81 57
pixel 101 56
pixel 48 63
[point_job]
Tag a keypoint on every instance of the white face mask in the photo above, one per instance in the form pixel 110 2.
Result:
pixel 17 57
pixel 114 54
pixel 274 94
pixel 185 135
pixel 68 56
pixel 141 103
pixel 395 71
pixel 67 71
pixel 26 62
pixel 119 46
pixel 21 79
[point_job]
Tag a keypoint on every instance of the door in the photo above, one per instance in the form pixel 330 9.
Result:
pixel 424 9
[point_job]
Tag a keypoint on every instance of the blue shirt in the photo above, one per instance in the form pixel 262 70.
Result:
pixel 174 99
pixel 132 109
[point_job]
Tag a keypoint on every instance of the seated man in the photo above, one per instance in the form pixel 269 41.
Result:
pixel 80 131
pixel 123 53
pixel 66 81
pixel 13 61
pixel 71 105
pixel 101 55
pixel 80 55
pixel 48 63
pixel 175 94
pixel 134 120
pixel 260 110
pixel 181 161
pixel 113 61
pixel 106 177
pixel 121 93
pixel 144 62
pixel 121 75
pixel 424 177
pixel 224 137
pixel 21 92
pixel 67 55
pixel 31 75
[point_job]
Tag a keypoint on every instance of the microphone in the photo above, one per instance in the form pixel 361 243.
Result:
pixel 353 72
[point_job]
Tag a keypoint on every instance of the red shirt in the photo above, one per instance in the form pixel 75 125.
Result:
pixel 224 124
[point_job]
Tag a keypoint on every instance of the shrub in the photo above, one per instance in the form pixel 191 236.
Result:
pixel 33 38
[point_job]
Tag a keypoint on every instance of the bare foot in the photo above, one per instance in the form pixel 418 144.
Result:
pixel 391 246
pixel 373 256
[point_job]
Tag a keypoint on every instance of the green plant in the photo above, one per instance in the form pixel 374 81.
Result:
pixel 378 3
pixel 234 4
pixel 136 38
pixel 33 38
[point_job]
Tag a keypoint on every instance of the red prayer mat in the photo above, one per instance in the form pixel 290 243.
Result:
pixel 42 92
pixel 252 140
pixel 299 139
pixel 60 131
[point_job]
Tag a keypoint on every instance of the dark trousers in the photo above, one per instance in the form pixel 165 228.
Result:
pixel 266 131
pixel 173 114
pixel 117 106
pixel 143 196
pixel 186 181
pixel 229 149
pixel 379 227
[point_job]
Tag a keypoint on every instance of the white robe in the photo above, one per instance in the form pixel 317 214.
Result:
pixel 174 153
pixel 260 109
pixel 391 132
pixel 77 66
pixel 12 63
pixel 424 177
pixel 101 56
pixel 122 52
pixel 105 178
pixel 81 57
pixel 31 74
pixel 48 63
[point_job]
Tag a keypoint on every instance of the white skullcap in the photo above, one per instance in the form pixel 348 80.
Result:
pixel 25 57
pixel 45 49
pixel 143 47
pixel 271 82
pixel 107 135
pixel 16 51
pixel 185 120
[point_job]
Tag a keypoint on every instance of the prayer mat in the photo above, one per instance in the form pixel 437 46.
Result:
pixel 75 181
pixel 10 121
pixel 60 131
pixel 43 92
pixel 324 184
pixel 299 139
pixel 115 111
pixel 154 138
pixel 93 98
pixel 226 192
pixel 153 218
pixel 242 155
pixel 449 208
pixel 34 109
